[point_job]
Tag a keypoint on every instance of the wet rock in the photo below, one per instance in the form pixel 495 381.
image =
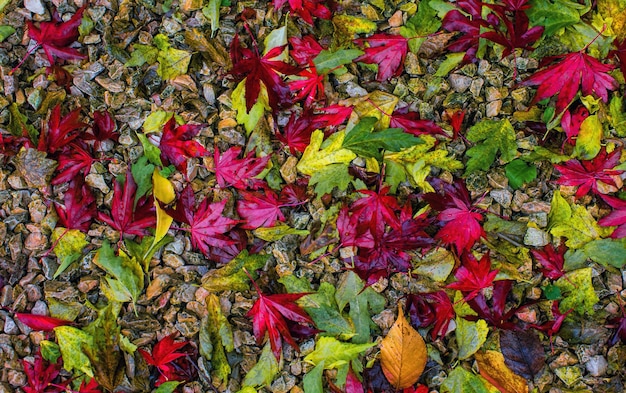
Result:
pixel 97 181
pixel 493 108
pixel 354 90
pixel 534 207
pixel 35 241
pixel 9 326
pixel 173 260
pixel 288 169
pixel 459 83
pixel 283 384
pixel 597 365
pixel 34 167
pixel 37 210
pixel 536 237
pixel 502 197
pixel 16 378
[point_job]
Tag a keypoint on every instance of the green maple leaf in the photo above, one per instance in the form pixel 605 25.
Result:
pixel 555 14
pixel 462 381
pixel 232 275
pixel 518 172
pixel 172 62
pixel 494 136
pixel 363 141
pixel 420 25
pixel 578 292
pixel 335 353
pixel 125 280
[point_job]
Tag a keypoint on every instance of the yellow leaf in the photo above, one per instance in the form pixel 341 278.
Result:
pixel 378 104
pixel 492 367
pixel 316 157
pixel 163 191
pixel 403 354
pixel 589 139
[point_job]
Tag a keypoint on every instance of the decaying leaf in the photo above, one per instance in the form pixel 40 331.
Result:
pixel 523 352
pixel 492 367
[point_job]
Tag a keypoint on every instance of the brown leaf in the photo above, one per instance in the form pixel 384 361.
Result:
pixel 522 352
pixel 403 354
pixel 492 367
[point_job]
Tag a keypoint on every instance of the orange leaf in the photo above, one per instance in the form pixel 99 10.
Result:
pixel 403 354
pixel 492 367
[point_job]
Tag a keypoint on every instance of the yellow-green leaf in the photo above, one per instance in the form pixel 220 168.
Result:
pixel 377 104
pixel 231 276
pixel 490 137
pixel 251 118
pixel 316 157
pixel 470 336
pixel 578 292
pixel 264 371
pixel 71 342
pixel 69 247
pixel 278 232
pixel 172 62
pixel 335 353
pixel 492 367
pixel 589 138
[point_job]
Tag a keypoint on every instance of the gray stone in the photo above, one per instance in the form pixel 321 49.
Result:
pixel 536 237
pixel 597 365
pixel 459 83
pixel 493 108
pixel 476 87
pixel 10 327
pixel 354 90
pixel 502 197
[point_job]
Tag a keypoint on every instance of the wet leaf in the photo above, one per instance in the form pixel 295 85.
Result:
pixel 589 138
pixel 491 137
pixel 462 381
pixel 278 232
pixel 172 62
pixel 492 367
pixel 221 335
pixel 231 276
pixel 125 282
pixel 318 155
pixel 71 343
pixel 264 371
pixel 335 353
pixel 328 61
pixel 523 352
pixel 470 336
pixel 578 292
pixel 403 354
pixel 518 172
pixel 69 247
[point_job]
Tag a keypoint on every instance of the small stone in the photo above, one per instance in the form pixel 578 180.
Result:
pixel 494 77
pixel 9 326
pixel 87 284
pixel 40 308
pixel 354 90
pixel 34 167
pixel 476 87
pixel 493 108
pixel 97 181
pixel 35 6
pixel 288 169
pixel 16 378
pixel 536 237
pixel 597 365
pixel 396 19
pixel 35 241
pixel 502 197
pixel 459 83
pixel 493 94
pixel 569 375
pixel 177 246
pixel 173 260
pixel 535 207
pixel 37 210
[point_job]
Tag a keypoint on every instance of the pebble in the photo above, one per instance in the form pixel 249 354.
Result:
pixel 35 241
pixel 40 308
pixel 173 260
pixel 476 87
pixel 34 167
pixel 597 365
pixel 493 108
pixel 535 207
pixel 354 90
pixel 37 210
pixel 459 83
pixel 502 197
pixel 96 180
pixel 9 326
pixel 536 237
pixel 16 378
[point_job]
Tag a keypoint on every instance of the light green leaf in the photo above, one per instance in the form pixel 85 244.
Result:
pixel 312 381
pixel 212 13
pixel 363 141
pixel 518 172
pixel 578 292
pixel 470 336
pixel 541 153
pixel 69 248
pixel 606 252
pixel 362 308
pixel 6 31
pixel 316 157
pixel 327 61
pixel 420 25
pixel 347 26
pixel 127 281
pixel 442 7
pixel 156 120
pixel 462 381
pixel 275 39
pixel 19 122
pixel 152 153
pixel 264 371
pixel 554 14
pixel 618 116
pixel 172 62
pixel 335 353
pixel 231 276
pixel 437 264
pixel 142 173
pixel 451 62
pixel 589 139
pixel 251 118
pixel 221 336
pixel 144 251
pixel 278 232
pixel 496 224
pixel 50 350
pixel 491 137
pixel 167 387
pixel 141 55
pixel 71 343
pixel 326 179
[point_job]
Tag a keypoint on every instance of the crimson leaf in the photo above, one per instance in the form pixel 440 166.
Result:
pixel 60 131
pixel 387 51
pixel 616 218
pixel 79 207
pixel 473 276
pixel 41 375
pixel 239 173
pixel 587 174
pixel 41 322
pixel 259 209
pixel 177 146
pixel 551 260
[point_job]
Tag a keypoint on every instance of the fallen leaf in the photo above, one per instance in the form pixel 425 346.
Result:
pixel 523 352
pixel 492 367
pixel 403 353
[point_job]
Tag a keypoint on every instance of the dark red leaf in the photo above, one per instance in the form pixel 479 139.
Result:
pixel 259 209
pixel 618 323
pixel 126 217
pixel 410 122
pixel 385 50
pixel 60 131
pixel 74 161
pixel 473 276
pixel 353 384
pixel 79 207
pixel 238 173
pixel 305 49
pixel 104 126
pixel 551 260
pixel 514 30
pixel 587 174
pixel 523 352
pixel 270 314
pixel 496 314
pixel 553 326
pixel 616 218
pixel 571 121
pixel 177 146
pixel 167 355
pixel 91 387
pixel 377 209
pixel 305 9
pixel 41 375
pixel 309 86
pixel 207 225
pixel 620 53
pixel 469 25
pixel 56 37
pixel 41 322
pixel 574 71
pixel 426 309
pixel 455 117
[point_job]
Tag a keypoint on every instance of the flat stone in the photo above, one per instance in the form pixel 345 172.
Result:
pixel 459 83
pixel 536 237
pixel 502 197
pixel 597 365
pixel 97 181
pixel 493 108
pixel 35 6
pixel 34 167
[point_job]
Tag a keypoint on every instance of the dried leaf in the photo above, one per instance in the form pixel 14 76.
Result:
pixel 523 352
pixel 492 367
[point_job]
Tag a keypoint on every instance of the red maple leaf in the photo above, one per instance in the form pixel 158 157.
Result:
pixel 41 375
pixel 41 322
pixel 91 387
pixel 514 31
pixel 620 52
pixel 104 127
pixel 305 9
pixel 427 309
pixel 616 218
pixel 411 123
pixel 270 314
pixel 353 383
pixel 310 86
pixel 352 232
pixel 177 146
pixel 79 206
pixel 73 159
pixel 588 174
pixel 305 49
pixel 571 122
pixel 469 25
pixel 473 276
pixel 127 217
pixel 387 51
pixel 257 69
pixel 207 225
pixel 461 224
pixel 56 37
pixel 377 209
pixel 60 131
pixel 551 260
pixel 573 71
pixel 238 173
pixel 496 315
pixel 553 326
pixel 259 209
pixel 162 357
pixel 455 118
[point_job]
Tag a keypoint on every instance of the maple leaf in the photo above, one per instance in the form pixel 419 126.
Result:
pixel 207 225
pixel 411 123
pixel 60 131
pixel 259 209
pixel 455 118
pixel 351 231
pixel 41 322
pixel 496 315
pixel 618 323
pixel 552 260
pixel 91 387
pixel 310 87
pixel 470 25
pixel 177 146
pixel 56 37
pixel 588 175
pixel 377 209
pixel 257 69
pixel 553 326
pixel 461 225
pixel 104 127
pixel 514 32
pixel 573 71
pixel 41 375
pixel 473 276
pixel 239 173
pixel 79 206
pixel 270 314
pixel 426 309
pixel 616 218
pixel 163 355
pixel 620 53
pixel 305 9
pixel 127 217
pixel 387 51
pixel 73 159
pixel 571 122
pixel 305 49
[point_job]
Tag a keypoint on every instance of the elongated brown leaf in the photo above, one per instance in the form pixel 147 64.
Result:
pixel 522 352
pixel 403 354
pixel 493 368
